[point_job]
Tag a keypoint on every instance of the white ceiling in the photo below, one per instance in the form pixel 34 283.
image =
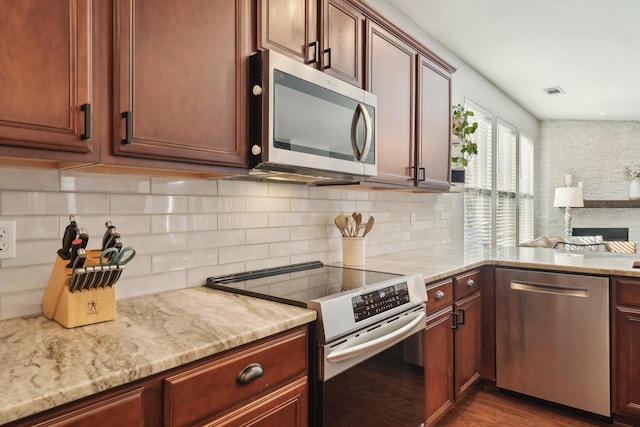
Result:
pixel 590 48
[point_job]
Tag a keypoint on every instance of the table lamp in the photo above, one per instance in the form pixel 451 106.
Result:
pixel 567 198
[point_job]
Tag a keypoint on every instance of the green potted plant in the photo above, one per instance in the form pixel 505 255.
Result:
pixel 465 148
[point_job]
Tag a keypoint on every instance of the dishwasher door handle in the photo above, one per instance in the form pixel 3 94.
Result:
pixel 549 289
pixel 377 343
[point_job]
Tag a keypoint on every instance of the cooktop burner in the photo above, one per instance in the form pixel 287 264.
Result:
pixel 298 284
pixel 346 299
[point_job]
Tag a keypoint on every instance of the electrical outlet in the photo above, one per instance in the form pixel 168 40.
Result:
pixel 7 239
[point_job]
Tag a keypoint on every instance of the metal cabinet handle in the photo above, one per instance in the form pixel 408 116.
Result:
pixel 423 174
pixel 128 138
pixel 328 52
pixel 455 321
pixel 463 316
pixel 87 121
pixel 316 47
pixel 470 283
pixel 439 294
pixel 250 373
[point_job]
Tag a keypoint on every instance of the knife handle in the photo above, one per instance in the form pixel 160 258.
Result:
pixel 70 233
pixel 107 234
pixel 75 245
pixel 84 237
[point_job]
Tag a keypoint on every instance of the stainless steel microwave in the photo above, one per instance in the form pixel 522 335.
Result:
pixel 307 126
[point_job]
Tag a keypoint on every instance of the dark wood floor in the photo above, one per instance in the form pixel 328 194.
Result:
pixel 487 407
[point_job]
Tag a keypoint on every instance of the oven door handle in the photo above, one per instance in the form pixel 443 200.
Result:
pixel 377 343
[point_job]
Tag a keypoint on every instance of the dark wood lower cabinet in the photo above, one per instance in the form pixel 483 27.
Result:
pixel 467 344
pixel 626 348
pixel 438 368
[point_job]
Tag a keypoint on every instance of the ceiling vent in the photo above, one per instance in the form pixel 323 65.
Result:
pixel 556 90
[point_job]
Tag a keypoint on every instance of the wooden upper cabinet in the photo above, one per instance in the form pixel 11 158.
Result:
pixel 290 27
pixel 392 77
pixel 343 41
pixel 180 80
pixel 45 75
pixel 434 126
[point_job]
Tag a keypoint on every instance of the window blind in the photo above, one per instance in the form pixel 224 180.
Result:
pixel 506 169
pixel 525 189
pixel 479 182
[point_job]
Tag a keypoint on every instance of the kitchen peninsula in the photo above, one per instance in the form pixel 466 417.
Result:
pixel 48 366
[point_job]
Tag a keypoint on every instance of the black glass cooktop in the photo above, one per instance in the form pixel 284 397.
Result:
pixel 298 284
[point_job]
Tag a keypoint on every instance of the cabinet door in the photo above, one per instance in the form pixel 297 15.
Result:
pixel 125 409
pixel 180 86
pixel 438 365
pixel 45 75
pixel 343 41
pixel 434 128
pixel 626 346
pixel 392 74
pixel 287 407
pixel 290 27
pixel 467 344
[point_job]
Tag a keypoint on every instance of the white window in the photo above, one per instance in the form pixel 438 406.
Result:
pixel 499 194
pixel 479 183
pixel 525 189
pixel 506 169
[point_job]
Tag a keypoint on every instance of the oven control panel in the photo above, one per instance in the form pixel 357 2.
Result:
pixel 375 302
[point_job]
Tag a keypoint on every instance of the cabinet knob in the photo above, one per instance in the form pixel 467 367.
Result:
pixel 439 294
pixel 256 150
pixel 256 90
pixel 250 373
pixel 470 283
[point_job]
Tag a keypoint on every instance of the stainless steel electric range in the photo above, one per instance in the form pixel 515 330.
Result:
pixel 364 339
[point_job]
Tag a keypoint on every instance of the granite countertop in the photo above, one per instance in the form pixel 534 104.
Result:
pixel 444 262
pixel 46 365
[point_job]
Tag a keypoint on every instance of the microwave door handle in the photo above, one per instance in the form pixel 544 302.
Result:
pixel 361 109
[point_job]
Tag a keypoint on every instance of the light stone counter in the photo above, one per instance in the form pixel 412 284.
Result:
pixel 445 262
pixel 45 365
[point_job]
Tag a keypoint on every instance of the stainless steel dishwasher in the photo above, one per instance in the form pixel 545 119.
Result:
pixel 552 337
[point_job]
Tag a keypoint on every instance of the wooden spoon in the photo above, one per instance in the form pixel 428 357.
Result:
pixel 351 231
pixel 342 223
pixel 368 227
pixel 358 218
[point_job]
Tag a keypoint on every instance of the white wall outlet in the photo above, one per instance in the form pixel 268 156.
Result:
pixel 7 239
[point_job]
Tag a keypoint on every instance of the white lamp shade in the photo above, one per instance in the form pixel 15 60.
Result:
pixel 568 197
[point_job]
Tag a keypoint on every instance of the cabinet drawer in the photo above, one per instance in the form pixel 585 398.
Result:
pixel 466 284
pixel 199 393
pixel 439 295
pixel 628 291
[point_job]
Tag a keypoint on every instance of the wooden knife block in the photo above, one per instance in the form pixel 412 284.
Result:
pixel 78 308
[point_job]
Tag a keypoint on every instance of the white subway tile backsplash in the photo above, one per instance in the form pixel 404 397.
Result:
pixel 229 221
pixel 130 204
pixel 267 204
pixel 243 253
pixel 169 223
pixel 85 182
pixel 216 239
pixel 268 235
pixel 186 187
pixel 199 222
pixel 182 260
pixel 185 230
pixel 227 187
pixel 40 203
pixel 29 179
pixel 288 248
pixel 216 204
